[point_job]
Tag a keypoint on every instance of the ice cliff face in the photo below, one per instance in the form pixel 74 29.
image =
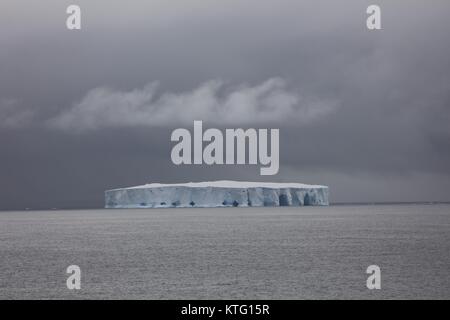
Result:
pixel 217 194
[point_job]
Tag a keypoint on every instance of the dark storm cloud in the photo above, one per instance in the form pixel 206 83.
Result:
pixel 386 137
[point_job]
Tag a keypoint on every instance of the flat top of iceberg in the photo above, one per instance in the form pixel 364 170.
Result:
pixel 228 184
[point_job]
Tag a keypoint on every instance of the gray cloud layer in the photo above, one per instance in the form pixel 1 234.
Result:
pixel 376 104
pixel 268 102
pixel 12 116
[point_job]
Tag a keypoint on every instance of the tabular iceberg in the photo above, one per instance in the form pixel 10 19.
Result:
pixel 217 194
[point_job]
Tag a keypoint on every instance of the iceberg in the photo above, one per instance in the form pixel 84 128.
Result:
pixel 217 194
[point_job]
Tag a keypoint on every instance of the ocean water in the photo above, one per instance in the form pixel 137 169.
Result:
pixel 228 253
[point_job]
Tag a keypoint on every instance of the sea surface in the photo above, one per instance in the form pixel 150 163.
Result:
pixel 228 253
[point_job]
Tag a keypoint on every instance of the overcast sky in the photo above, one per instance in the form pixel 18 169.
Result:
pixel 365 112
